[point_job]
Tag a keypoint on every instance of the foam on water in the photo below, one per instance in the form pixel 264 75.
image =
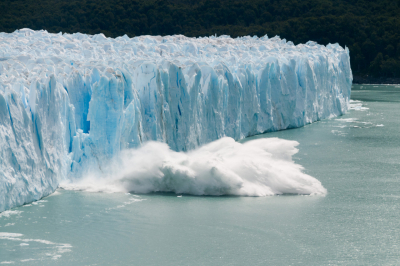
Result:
pixel 260 167
pixel 56 249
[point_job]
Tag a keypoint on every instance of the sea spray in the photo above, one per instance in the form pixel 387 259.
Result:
pixel 261 167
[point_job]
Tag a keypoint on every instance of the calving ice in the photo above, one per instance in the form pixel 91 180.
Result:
pixel 262 167
pixel 71 103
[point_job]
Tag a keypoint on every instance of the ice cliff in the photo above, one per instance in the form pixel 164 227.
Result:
pixel 71 102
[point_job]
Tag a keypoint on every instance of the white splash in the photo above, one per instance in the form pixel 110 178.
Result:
pixel 260 167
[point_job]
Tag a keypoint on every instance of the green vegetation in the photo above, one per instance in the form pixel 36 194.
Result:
pixel 371 29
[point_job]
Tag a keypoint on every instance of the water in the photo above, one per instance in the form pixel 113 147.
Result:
pixel 356 157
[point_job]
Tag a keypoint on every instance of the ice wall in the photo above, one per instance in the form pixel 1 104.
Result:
pixel 71 102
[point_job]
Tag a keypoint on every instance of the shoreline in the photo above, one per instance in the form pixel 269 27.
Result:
pixel 375 81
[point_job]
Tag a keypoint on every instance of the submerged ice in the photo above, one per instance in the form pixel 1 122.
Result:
pixel 70 103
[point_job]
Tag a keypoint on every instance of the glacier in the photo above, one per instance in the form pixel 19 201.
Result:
pixel 69 103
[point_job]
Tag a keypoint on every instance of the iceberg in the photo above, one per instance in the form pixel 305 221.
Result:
pixel 69 103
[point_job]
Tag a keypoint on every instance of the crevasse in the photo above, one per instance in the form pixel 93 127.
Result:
pixel 71 102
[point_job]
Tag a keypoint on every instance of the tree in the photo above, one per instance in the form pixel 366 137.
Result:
pixel 375 67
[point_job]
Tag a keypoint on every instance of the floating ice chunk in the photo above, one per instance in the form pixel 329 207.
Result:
pixel 357 105
pixel 347 120
pixel 9 213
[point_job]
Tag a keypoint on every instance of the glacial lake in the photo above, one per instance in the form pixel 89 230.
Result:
pixel 356 157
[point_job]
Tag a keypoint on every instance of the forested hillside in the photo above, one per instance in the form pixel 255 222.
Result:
pixel 371 29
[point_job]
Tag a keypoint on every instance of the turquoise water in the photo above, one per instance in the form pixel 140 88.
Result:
pixel 356 157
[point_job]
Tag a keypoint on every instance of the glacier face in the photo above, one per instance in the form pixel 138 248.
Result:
pixel 71 102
